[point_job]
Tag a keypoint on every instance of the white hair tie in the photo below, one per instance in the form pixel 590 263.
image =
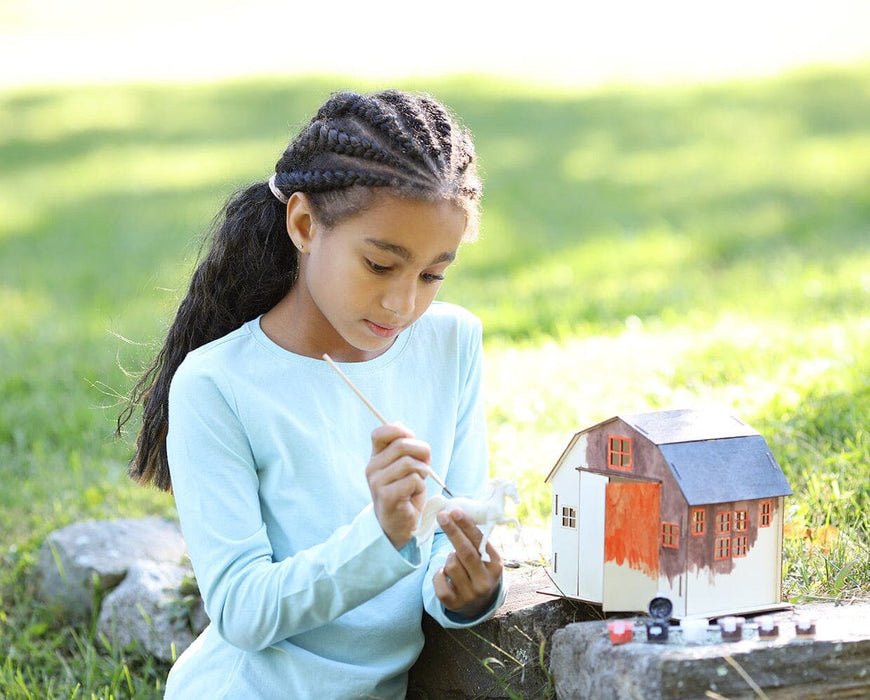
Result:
pixel 279 195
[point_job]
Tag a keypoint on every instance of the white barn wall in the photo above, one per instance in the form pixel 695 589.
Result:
pixel 754 582
pixel 565 484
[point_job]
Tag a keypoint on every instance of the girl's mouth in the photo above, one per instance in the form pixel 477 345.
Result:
pixel 382 331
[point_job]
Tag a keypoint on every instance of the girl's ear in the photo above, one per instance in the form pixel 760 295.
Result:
pixel 299 221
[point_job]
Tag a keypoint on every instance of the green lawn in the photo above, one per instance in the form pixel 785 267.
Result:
pixel 641 248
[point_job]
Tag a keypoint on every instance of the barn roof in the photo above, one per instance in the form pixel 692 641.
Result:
pixel 725 469
pixel 687 425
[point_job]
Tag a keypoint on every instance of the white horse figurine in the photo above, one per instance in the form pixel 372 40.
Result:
pixel 486 513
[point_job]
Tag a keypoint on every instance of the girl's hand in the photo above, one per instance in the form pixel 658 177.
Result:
pixel 466 584
pixel 397 479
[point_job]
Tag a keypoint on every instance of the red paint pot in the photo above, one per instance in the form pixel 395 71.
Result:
pixel 621 631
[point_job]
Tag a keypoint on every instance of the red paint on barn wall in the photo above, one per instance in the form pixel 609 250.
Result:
pixel 631 526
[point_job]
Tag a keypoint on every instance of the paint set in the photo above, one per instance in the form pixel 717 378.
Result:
pixel 699 630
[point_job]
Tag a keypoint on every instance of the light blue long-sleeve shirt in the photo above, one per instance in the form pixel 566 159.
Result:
pixel 267 449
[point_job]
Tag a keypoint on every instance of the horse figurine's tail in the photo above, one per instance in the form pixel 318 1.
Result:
pixel 428 521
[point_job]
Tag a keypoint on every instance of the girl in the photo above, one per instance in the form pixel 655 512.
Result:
pixel 296 505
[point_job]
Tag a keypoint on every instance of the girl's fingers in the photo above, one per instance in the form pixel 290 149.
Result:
pixel 403 488
pixel 462 593
pixel 383 435
pixel 465 536
pixel 466 584
pixel 393 440
pixel 396 475
pixel 395 454
pixel 397 470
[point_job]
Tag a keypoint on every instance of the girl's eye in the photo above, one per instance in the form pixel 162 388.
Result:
pixel 377 269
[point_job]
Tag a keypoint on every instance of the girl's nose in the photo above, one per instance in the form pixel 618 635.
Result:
pixel 401 298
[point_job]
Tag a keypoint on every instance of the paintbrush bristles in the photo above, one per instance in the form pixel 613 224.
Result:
pixel 377 413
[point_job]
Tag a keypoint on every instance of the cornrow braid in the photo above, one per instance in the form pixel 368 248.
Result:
pixel 319 138
pixel 382 119
pixel 414 117
pixel 442 125
pixel 324 180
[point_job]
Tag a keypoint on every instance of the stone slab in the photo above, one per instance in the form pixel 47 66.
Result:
pixel 834 662
pixel 506 656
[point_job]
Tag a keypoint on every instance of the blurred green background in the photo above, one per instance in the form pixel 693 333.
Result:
pixel 642 247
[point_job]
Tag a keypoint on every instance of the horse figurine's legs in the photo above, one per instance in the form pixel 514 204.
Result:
pixel 486 529
pixel 514 522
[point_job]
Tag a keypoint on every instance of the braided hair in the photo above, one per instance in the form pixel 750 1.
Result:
pixel 406 144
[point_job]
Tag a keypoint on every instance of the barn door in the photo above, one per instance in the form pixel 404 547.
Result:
pixel 590 580
pixel 631 544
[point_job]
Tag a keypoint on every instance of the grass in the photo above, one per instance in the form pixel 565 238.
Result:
pixel 641 248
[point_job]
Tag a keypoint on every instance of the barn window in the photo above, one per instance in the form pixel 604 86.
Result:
pixel 619 453
pixel 670 535
pixel 739 520
pixel 699 524
pixel 569 517
pixel 723 521
pixel 722 548
pixel 739 546
pixel 764 510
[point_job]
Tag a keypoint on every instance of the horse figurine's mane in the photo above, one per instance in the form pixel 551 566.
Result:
pixel 486 513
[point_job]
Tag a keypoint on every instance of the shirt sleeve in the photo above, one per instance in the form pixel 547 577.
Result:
pixel 252 600
pixel 467 474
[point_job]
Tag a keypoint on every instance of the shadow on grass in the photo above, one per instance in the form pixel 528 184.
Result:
pixel 597 206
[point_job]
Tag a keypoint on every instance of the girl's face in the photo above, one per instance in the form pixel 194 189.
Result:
pixel 369 277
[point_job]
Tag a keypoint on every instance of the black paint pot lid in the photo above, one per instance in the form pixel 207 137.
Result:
pixel 660 608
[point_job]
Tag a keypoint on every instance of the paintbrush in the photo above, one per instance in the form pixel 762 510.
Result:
pixel 378 414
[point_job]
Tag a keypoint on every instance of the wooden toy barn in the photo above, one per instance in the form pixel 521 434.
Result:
pixel 686 504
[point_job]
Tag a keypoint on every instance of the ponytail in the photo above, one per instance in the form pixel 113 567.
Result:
pixel 249 267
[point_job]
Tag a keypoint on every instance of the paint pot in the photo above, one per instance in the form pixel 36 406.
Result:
pixel 660 609
pixel 694 630
pixel 731 628
pixel 767 627
pixel 621 631
pixel 805 627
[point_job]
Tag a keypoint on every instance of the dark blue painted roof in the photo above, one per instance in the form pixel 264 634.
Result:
pixel 725 469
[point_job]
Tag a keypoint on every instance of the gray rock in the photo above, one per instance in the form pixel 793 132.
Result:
pixel 146 608
pixel 81 561
pixel 136 571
